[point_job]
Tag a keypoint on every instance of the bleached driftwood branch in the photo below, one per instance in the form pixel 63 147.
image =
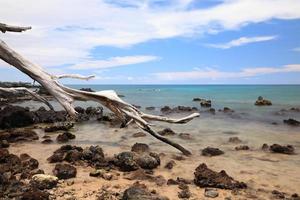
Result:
pixel 35 95
pixel 5 27
pixel 75 76
pixel 109 98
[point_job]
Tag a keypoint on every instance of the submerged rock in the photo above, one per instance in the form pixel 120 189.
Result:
pixel 242 147
pixel 234 140
pixel 150 108
pixel 139 134
pixel 262 102
pixel 59 127
pixel 166 132
pixel 276 148
pixel 291 122
pixel 210 151
pixel 140 148
pixel 170 164
pixel 185 136
pixel 205 103
pixel 64 171
pixel 205 177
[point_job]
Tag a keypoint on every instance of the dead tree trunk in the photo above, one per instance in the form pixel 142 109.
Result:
pixel 66 96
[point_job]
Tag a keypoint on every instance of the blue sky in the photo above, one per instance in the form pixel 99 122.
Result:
pixel 158 41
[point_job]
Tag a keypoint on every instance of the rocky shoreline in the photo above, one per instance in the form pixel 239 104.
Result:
pixel 78 171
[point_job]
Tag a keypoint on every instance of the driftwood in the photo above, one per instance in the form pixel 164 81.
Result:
pixel 126 112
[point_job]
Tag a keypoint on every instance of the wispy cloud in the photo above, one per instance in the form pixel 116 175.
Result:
pixel 74 32
pixel 113 62
pixel 296 49
pixel 209 74
pixel 243 41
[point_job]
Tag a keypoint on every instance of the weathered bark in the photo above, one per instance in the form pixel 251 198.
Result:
pixel 109 98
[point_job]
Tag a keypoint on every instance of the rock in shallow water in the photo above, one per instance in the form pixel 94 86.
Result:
pixel 210 151
pixel 262 102
pixel 276 148
pixel 292 122
pixel 140 148
pixel 205 177
pixel 166 132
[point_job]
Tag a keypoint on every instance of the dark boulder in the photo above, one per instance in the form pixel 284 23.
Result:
pixel 64 171
pixel 35 194
pixel 165 109
pixel 47 141
pixel 79 110
pixel 140 192
pixel 276 148
pixel 210 151
pixel 291 122
pixel 262 102
pixel 126 161
pixel 62 138
pixel 205 103
pixel 148 161
pixel 150 108
pixel 87 89
pixel 205 177
pixel 15 116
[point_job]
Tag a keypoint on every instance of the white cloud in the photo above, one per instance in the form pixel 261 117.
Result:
pixel 65 32
pixel 216 74
pixel 113 62
pixel 243 41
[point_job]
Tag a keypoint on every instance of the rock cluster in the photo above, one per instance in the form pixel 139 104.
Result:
pixel 12 170
pixel 92 155
pixel 16 116
pixel 178 109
